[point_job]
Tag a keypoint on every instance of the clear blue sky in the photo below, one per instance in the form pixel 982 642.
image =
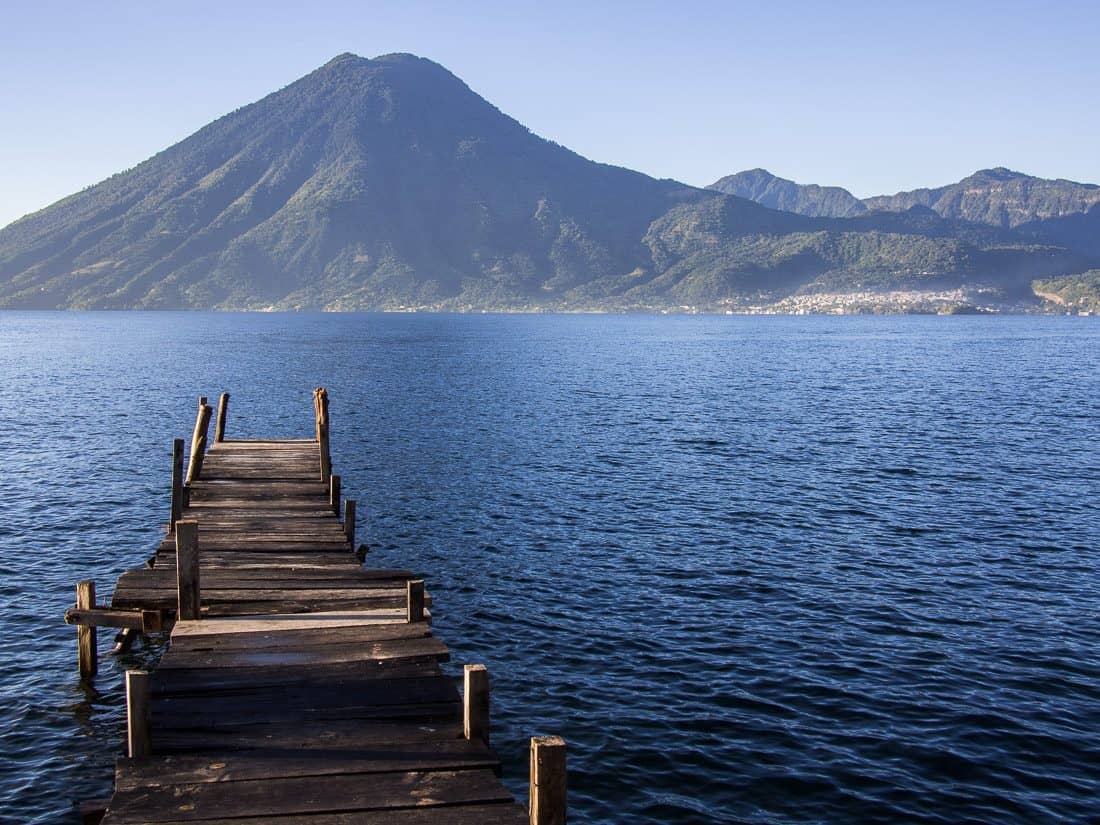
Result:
pixel 875 96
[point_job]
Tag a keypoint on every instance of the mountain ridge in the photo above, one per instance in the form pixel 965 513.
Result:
pixel 388 183
pixel 997 196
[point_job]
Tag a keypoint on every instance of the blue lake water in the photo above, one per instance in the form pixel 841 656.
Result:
pixel 752 569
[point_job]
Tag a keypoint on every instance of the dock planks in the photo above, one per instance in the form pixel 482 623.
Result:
pixel 302 695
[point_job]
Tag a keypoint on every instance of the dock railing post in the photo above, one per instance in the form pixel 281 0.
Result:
pixel 414 600
pixel 223 408
pixel 334 493
pixel 198 440
pixel 547 805
pixel 87 653
pixel 177 483
pixel 349 520
pixel 320 404
pixel 138 714
pixel 475 703
pixel 187 569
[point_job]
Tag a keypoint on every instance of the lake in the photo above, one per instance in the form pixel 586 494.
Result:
pixel 753 569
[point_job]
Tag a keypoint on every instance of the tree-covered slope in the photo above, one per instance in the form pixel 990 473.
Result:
pixel 998 197
pixel 1075 293
pixel 812 200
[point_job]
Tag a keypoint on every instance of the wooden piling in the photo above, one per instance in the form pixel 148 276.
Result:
pixel 334 493
pixel 187 569
pixel 92 811
pixel 177 483
pixel 223 408
pixel 349 520
pixel 547 804
pixel 138 714
pixel 321 405
pixel 475 703
pixel 198 420
pixel 414 609
pixel 198 441
pixel 87 654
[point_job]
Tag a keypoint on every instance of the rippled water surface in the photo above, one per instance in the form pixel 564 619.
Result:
pixel 753 569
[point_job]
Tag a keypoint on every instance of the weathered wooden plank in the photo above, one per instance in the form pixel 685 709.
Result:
pixel 320 565
pixel 482 813
pixel 221 579
pixel 292 638
pixel 243 558
pixel 266 444
pixel 336 735
pixel 160 771
pixel 307 655
pixel 321 794
pixel 275 623
pixel 147 621
pixel 412 713
pixel 293 606
pixel 263 603
pixel 230 580
pixel 125 595
pixel 270 527
pixel 222 679
pixel 260 702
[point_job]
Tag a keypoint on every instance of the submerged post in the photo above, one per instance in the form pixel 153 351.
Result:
pixel 349 520
pixel 223 407
pixel 320 403
pixel 414 600
pixel 475 703
pixel 138 714
pixel 334 493
pixel 187 569
pixel 548 788
pixel 198 440
pixel 177 483
pixel 87 654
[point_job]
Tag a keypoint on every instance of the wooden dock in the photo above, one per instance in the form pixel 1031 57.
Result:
pixel 298 686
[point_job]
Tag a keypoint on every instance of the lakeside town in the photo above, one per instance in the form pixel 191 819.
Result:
pixel 976 301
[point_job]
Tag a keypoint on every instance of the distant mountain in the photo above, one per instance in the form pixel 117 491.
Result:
pixel 365 183
pixel 812 200
pixel 998 197
pixel 995 197
pixel 388 183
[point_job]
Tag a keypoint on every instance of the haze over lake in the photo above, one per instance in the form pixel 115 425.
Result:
pixel 785 569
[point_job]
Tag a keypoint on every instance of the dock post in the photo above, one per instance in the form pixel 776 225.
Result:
pixel 223 407
pixel 138 714
pixel 198 440
pixel 334 493
pixel 187 569
pixel 414 605
pixel 349 520
pixel 475 703
pixel 548 787
pixel 320 403
pixel 177 482
pixel 87 653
